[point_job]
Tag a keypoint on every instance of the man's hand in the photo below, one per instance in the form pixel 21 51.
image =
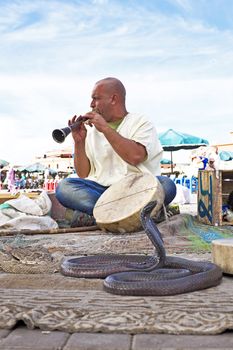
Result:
pixel 96 119
pixel 79 132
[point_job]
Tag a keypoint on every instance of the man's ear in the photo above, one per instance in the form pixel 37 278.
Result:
pixel 114 99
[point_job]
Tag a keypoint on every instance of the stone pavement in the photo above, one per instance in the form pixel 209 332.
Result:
pixel 22 338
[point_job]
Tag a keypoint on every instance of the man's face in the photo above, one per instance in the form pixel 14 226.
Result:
pixel 101 101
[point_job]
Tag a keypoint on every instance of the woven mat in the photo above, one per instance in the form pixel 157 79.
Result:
pixel 55 302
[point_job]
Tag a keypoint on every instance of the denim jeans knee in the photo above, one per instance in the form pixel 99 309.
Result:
pixel 79 194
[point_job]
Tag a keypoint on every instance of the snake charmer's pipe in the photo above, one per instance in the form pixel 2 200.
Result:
pixel 59 135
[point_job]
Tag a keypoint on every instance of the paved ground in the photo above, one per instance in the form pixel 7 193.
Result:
pixel 22 338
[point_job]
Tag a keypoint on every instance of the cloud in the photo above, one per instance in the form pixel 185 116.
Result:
pixel 176 64
pixel 65 35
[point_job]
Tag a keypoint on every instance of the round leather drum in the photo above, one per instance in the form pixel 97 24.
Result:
pixel 118 209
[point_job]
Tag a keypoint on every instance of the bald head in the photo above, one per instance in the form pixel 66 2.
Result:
pixel 113 86
pixel 108 99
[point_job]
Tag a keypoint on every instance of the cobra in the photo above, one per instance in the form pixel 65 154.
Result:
pixel 158 274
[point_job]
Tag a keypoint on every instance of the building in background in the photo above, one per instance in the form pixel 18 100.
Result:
pixel 228 147
pixel 59 160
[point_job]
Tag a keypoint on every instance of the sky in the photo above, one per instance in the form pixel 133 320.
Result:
pixel 175 58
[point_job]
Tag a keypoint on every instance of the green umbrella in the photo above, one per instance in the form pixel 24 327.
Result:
pixel 226 155
pixel 172 140
pixel 37 168
pixel 3 162
pixel 165 161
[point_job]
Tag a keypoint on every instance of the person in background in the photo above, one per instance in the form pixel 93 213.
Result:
pixel 1 176
pixel 213 159
pixel 22 183
pixel 11 180
pixel 110 144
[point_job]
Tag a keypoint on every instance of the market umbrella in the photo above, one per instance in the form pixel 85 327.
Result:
pixel 226 155
pixel 3 162
pixel 37 168
pixel 165 161
pixel 172 140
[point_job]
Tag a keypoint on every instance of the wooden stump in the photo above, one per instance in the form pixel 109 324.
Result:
pixel 222 252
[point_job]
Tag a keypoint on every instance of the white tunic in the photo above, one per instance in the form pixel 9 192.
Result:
pixel 106 165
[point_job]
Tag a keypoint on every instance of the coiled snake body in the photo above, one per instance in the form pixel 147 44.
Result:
pixel 139 275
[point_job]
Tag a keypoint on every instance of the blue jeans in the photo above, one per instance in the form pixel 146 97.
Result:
pixel 82 194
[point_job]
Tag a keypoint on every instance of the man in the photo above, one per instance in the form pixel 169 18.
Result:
pixel 109 145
